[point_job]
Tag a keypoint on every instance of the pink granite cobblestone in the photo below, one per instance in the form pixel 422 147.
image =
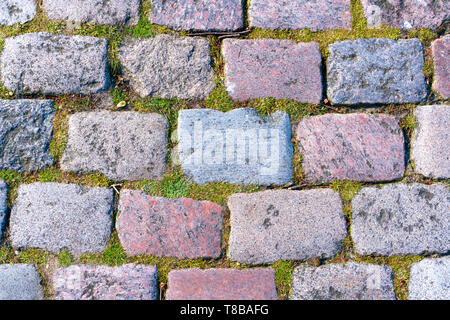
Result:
pixel 182 228
pixel 441 56
pixel 281 69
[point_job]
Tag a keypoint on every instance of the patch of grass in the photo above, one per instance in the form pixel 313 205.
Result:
pixel 283 277
pixel 171 186
pixel 219 99
pixel 65 259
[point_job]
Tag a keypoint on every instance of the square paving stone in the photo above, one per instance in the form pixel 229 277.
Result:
pixel 3 205
pixel 281 69
pixel 430 144
pixel 430 279
pixel 54 216
pixel 198 15
pixel 285 225
pixel 181 228
pixel 400 219
pixel 441 56
pixel 371 71
pixel 222 284
pixel 20 282
pixel 17 11
pixel 120 145
pixel 236 147
pixel 25 133
pixel 127 282
pixel 298 14
pixel 111 12
pixel 43 63
pixel 406 14
pixel 361 147
pixel 352 281
pixel 168 67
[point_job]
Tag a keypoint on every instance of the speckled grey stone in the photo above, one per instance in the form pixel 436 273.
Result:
pixel 285 225
pixel 431 141
pixel 120 145
pixel 406 14
pixel 371 71
pixel 42 63
pixel 430 279
pixel 16 11
pixel 237 147
pixel 352 281
pixel 168 67
pixel 126 282
pixel 54 216
pixel 111 12
pixel 400 219
pixel 3 205
pixel 20 282
pixel 25 133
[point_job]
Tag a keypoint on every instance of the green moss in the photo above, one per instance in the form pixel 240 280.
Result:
pixel 65 259
pixel 283 277
pixel 219 99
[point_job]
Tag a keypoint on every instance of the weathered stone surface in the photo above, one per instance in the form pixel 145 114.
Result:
pixel 16 11
pixel 35 63
pixel 222 284
pixel 237 146
pixel 281 69
pixel 54 216
pixel 20 282
pixel 361 147
pixel 111 12
pixel 3 205
pixel 430 279
pixel 299 14
pixel 168 67
pixel 441 56
pixel 127 282
pixel 401 219
pixel 406 14
pixel 370 71
pixel 352 281
pixel 181 228
pixel 199 15
pixel 25 134
pixel 430 145
pixel 120 145
pixel 285 225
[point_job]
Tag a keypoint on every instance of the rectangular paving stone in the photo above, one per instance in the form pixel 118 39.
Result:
pixel 299 14
pixel 42 63
pixel 222 284
pixel 126 282
pixel 372 71
pixel 285 225
pixel 430 279
pixel 111 12
pixel 54 216
pixel 168 67
pixel 406 14
pixel 181 228
pixel 352 281
pixel 17 11
pixel 359 147
pixel 3 205
pixel 237 147
pixel 198 15
pixel 20 282
pixel 120 145
pixel 281 69
pixel 25 133
pixel 441 57
pixel 430 144
pixel 400 219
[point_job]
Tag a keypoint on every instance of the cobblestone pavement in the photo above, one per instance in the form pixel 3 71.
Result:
pixel 224 149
